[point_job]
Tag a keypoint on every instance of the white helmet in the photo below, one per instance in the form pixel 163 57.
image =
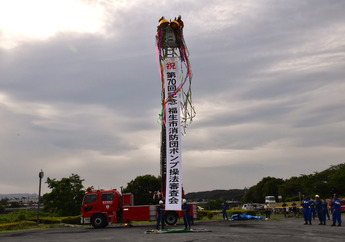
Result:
pixel 160 202
pixel 184 201
pixel 317 196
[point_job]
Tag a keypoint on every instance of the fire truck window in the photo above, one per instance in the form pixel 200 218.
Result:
pixel 90 198
pixel 107 197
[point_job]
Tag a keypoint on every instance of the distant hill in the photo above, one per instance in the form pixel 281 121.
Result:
pixel 19 195
pixel 227 195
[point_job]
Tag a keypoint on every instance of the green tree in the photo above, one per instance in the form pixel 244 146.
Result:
pixel 4 201
pixel 323 183
pixel 291 188
pixel 16 205
pixel 249 195
pixel 65 197
pixel 268 186
pixel 143 188
pixel 232 194
pixel 214 204
pixel 2 209
pixel 336 180
pixel 271 187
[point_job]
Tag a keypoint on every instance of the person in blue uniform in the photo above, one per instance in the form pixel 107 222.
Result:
pixel 284 205
pixel 306 210
pixel 160 217
pixel 225 215
pixel 186 215
pixel 319 210
pixel 325 208
pixel 331 206
pixel 336 211
pixel 312 209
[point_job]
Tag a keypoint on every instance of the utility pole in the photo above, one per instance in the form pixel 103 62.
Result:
pixel 40 175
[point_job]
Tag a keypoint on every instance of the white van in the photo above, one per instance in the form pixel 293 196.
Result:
pixel 270 199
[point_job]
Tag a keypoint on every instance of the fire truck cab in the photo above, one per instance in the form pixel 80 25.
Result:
pixel 101 208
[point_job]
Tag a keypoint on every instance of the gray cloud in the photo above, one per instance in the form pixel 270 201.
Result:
pixel 268 91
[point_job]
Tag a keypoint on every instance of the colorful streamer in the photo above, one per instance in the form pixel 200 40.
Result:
pixel 170 43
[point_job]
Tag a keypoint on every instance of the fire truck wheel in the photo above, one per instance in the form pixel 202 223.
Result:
pixel 170 218
pixel 98 221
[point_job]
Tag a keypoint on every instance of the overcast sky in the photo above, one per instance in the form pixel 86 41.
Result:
pixel 80 91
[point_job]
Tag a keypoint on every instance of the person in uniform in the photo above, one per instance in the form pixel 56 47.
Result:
pixel 294 208
pixel 268 211
pixel 319 210
pixel 225 215
pixel 312 209
pixel 160 217
pixel 325 208
pixel 284 205
pixel 331 206
pixel 306 210
pixel 337 210
pixel 186 215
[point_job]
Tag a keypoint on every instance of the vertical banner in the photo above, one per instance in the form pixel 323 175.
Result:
pixel 173 194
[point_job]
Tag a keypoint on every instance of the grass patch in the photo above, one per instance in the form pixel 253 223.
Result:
pixel 25 219
pixel 17 226
pixel 27 225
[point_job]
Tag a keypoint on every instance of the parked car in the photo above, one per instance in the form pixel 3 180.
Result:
pixel 270 200
pixel 253 206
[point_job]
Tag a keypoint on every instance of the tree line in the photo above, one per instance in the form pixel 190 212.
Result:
pixel 224 195
pixel 66 194
pixel 324 183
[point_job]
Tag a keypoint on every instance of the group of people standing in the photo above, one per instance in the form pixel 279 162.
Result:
pixel 186 215
pixel 319 207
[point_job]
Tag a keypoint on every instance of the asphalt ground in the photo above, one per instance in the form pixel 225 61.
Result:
pixel 276 229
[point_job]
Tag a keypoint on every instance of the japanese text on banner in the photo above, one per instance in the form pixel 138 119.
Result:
pixel 173 137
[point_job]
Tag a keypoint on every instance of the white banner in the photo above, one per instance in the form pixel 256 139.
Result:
pixel 173 192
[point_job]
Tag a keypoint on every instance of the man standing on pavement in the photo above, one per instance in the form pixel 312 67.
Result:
pixel 306 210
pixel 319 210
pixel 160 217
pixel 331 205
pixel 267 211
pixel 336 211
pixel 325 208
pixel 225 215
pixel 294 208
pixel 186 216
pixel 284 208
pixel 312 209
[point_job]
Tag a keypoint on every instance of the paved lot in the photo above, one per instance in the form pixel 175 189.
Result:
pixel 283 229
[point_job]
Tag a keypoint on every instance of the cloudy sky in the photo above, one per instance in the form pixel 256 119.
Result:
pixel 80 90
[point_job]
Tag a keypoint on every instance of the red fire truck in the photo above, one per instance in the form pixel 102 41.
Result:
pixel 101 208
